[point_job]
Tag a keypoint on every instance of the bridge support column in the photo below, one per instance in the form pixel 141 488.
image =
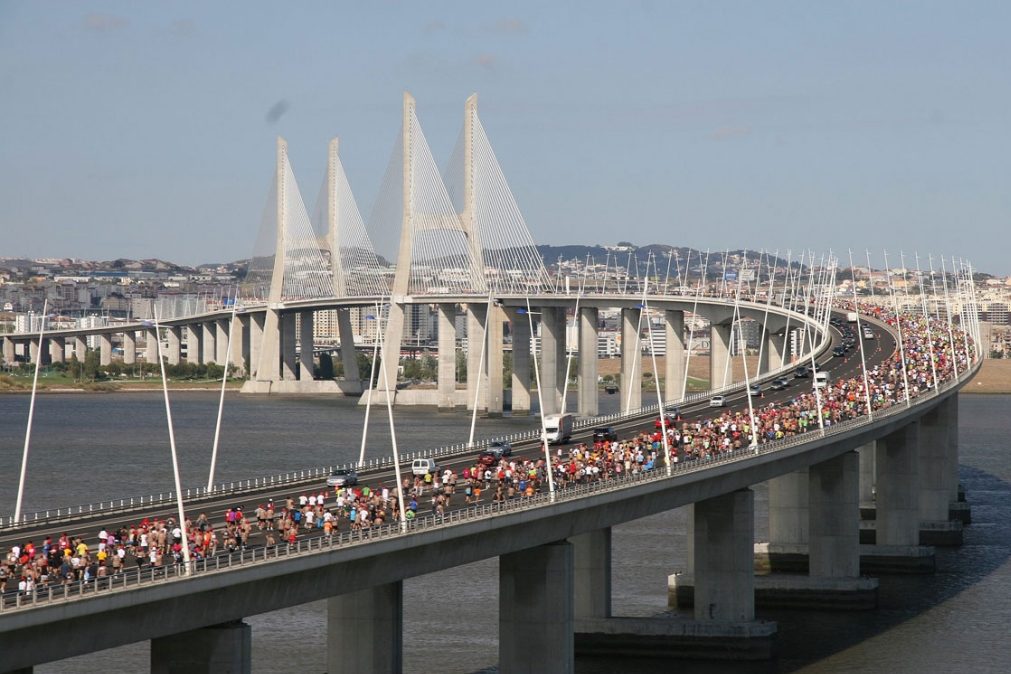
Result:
pixel 898 499
pixel 552 358
pixel 589 395
pixel 772 353
pixel 959 508
pixel 723 566
pixel 936 480
pixel 57 349
pixel 349 358
pixel 495 360
pixel 129 347
pixel 631 360
pixel 105 349
pixel 592 580
pixel 208 348
pixel 674 372
pixel 787 548
pixel 719 356
pixel 8 350
pixel 222 327
pixel 150 345
pixel 447 355
pixel 520 329
pixel 306 365
pixel 286 324
pixel 210 650
pixel 536 610
pixel 867 453
pixel 477 323
pixel 38 350
pixel 240 340
pixel 835 518
pixel 256 344
pixel 174 336
pixel 80 348
pixel 365 631
pixel 194 348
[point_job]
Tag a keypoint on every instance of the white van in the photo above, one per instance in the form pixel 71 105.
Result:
pixel 423 466
pixel 820 379
pixel 558 427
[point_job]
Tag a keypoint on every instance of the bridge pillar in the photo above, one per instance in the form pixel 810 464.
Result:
pixel 933 466
pixel 835 518
pixel 520 329
pixel 477 324
pixel 35 351
pixel 723 565
pixel 552 358
pixel 286 324
pixel 589 396
pixel 775 350
pixel 631 360
pixel 224 648
pixel 349 358
pixel 447 355
pixel 592 580
pixel 536 610
pixel 256 345
pixel 174 335
pixel 788 509
pixel 306 364
pixel 950 413
pixel 222 327
pixel 674 372
pixel 240 338
pixel 150 345
pixel 898 499
pixel 365 630
pixel 105 349
pixel 194 337
pixel 719 356
pixel 129 347
pixel 867 453
pixel 57 349
pixel 8 350
pixel 495 360
pixel 208 343
pixel 80 348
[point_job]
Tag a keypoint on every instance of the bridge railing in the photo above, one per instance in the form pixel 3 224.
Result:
pixel 314 476
pixel 145 576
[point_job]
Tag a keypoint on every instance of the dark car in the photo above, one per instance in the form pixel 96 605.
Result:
pixel 500 449
pixel 487 458
pixel 839 351
pixel 605 434
pixel 802 372
pixel 779 384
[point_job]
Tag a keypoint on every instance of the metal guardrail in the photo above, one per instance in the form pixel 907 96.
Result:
pixel 131 579
pixel 307 476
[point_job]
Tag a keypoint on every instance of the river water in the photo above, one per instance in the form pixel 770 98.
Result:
pixel 90 447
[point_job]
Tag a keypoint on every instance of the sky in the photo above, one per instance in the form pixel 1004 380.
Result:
pixel 148 129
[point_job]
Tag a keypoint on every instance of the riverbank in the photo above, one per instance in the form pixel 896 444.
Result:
pixel 994 377
pixel 21 385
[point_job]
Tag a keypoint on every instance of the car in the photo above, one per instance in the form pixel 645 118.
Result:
pixel 421 467
pixel 487 458
pixel 605 434
pixel 755 390
pixel 779 384
pixel 500 448
pixel 868 333
pixel 342 477
pixel 801 372
pixel 671 420
pixel 718 401
pixel 839 351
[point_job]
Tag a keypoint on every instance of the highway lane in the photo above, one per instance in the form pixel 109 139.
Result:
pixel 849 366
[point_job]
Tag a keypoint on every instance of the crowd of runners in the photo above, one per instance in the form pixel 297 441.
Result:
pixel 927 354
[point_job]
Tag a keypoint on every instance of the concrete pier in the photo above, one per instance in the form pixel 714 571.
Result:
pixel 219 649
pixel 174 337
pixel 724 573
pixel 194 339
pixel 552 368
pixel 520 329
pixel 592 585
pixel 105 349
pixel 57 349
pixel 151 345
pixel 306 363
pixel 447 355
pixel 129 347
pixel 495 359
pixel 631 360
pixel 834 525
pixel 222 327
pixel 208 348
pixel 349 358
pixel 719 356
pixel 289 356
pixel 365 631
pixel 674 372
pixel 477 322
pixel 536 610
pixel 8 350
pixel 589 397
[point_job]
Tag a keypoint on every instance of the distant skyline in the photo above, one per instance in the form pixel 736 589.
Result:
pixel 141 130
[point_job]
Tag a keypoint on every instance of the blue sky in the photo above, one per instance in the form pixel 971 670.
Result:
pixel 141 130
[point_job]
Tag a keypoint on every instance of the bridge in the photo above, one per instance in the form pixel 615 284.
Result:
pixel 886 444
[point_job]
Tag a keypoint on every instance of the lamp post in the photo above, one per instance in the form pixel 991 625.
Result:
pixel 540 403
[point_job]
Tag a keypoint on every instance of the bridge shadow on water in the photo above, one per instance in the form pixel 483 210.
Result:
pixel 818 641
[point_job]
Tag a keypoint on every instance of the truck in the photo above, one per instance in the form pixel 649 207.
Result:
pixel 851 317
pixel 558 427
